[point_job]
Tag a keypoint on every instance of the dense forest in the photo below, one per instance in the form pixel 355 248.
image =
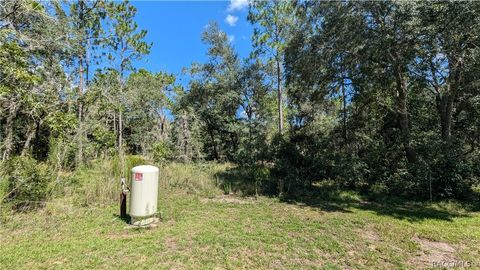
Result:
pixel 381 97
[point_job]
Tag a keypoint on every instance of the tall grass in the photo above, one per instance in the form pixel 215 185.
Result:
pixel 99 181
pixel 195 178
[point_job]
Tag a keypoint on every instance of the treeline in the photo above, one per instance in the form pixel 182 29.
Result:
pixel 376 96
pixel 69 92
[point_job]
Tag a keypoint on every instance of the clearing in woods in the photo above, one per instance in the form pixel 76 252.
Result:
pixel 329 230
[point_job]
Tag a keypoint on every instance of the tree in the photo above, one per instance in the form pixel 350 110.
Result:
pixel 446 54
pixel 257 110
pixel 390 29
pixel 14 89
pixel 186 134
pixel 33 44
pixel 147 102
pixel 215 95
pixel 85 22
pixel 126 44
pixel 272 21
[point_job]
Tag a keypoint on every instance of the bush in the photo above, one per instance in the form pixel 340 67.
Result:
pixel 162 152
pixel 130 162
pixel 261 177
pixel 133 161
pixel 27 182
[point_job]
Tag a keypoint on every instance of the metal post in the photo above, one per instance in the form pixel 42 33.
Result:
pixel 123 199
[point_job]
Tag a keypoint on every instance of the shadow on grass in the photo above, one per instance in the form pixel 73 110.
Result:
pixel 329 198
pixel 125 219
pixel 326 199
pixel 236 180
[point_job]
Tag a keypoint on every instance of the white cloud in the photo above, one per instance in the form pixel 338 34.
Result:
pixel 231 38
pixel 231 20
pixel 237 5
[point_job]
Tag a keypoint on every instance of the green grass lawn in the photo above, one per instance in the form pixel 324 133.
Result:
pixel 227 232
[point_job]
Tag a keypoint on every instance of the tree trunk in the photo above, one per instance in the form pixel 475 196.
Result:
pixel 280 98
pixel 120 113
pixel 120 132
pixel 8 145
pixel 162 127
pixel 185 137
pixel 120 143
pixel 31 133
pixel 216 153
pixel 402 113
pixel 115 128
pixel 80 108
pixel 80 90
pixel 446 102
pixel 344 112
pixel 280 115
pixel 445 110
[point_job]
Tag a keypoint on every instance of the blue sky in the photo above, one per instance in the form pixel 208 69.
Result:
pixel 175 28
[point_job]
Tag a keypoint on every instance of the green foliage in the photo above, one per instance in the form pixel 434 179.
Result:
pixel 250 180
pixel 145 109
pixel 27 183
pixel 130 162
pixel 103 137
pixel 15 73
pixel 215 95
pixel 127 41
pixel 261 177
pixel 272 21
pixel 62 124
pixel 134 160
pixel 88 191
pixel 162 152
pixel 385 62
pixel 203 179
pixel 381 97
pixel 186 136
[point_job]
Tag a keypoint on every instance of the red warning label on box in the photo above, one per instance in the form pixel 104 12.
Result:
pixel 138 176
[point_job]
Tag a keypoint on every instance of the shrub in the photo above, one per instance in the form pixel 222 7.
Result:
pixel 27 182
pixel 130 162
pixel 161 152
pixel 261 176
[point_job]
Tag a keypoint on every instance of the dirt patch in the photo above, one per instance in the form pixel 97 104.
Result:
pixel 371 236
pixel 229 199
pixel 433 252
pixel 170 243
